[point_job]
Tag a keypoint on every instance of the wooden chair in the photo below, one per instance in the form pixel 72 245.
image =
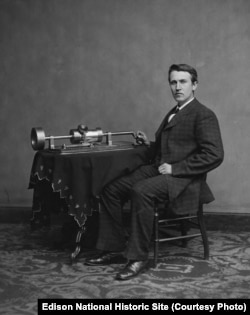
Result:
pixel 162 225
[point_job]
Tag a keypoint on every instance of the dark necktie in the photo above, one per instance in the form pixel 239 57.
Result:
pixel 176 110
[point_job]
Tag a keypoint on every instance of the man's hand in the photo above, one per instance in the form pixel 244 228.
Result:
pixel 141 138
pixel 165 168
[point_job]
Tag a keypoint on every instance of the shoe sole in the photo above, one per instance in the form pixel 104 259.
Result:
pixel 113 262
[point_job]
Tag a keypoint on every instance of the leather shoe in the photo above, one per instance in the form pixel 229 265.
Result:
pixel 132 269
pixel 106 258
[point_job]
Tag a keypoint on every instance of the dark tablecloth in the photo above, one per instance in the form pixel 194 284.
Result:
pixel 78 178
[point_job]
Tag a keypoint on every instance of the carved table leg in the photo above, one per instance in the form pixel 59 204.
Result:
pixel 77 250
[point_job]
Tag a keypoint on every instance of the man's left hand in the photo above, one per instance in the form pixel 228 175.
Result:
pixel 165 169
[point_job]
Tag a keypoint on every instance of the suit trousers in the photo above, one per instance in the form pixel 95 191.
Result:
pixel 141 187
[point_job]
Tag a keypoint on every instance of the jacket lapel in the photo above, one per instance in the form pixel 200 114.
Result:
pixel 176 119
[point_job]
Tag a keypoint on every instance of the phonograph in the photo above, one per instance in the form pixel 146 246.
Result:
pixel 83 140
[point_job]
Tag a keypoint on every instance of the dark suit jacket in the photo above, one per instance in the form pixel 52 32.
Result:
pixel 193 148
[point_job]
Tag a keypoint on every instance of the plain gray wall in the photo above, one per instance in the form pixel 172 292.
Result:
pixel 105 62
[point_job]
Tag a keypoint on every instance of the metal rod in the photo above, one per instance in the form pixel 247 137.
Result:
pixel 59 137
pixel 119 133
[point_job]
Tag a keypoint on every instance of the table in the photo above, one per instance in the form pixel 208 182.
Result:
pixel 78 179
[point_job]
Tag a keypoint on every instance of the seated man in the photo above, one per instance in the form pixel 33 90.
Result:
pixel 188 145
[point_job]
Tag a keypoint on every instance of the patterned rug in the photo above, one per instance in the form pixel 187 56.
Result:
pixel 31 267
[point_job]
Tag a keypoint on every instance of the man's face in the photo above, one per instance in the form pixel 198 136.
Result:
pixel 181 86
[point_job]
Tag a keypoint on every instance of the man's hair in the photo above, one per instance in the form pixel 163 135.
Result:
pixel 186 68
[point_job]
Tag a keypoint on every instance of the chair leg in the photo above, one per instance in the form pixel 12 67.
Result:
pixel 184 231
pixel 203 232
pixel 156 236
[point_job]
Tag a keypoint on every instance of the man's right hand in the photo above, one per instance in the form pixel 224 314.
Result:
pixel 141 138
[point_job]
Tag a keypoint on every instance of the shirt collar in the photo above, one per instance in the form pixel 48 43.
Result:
pixel 185 104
